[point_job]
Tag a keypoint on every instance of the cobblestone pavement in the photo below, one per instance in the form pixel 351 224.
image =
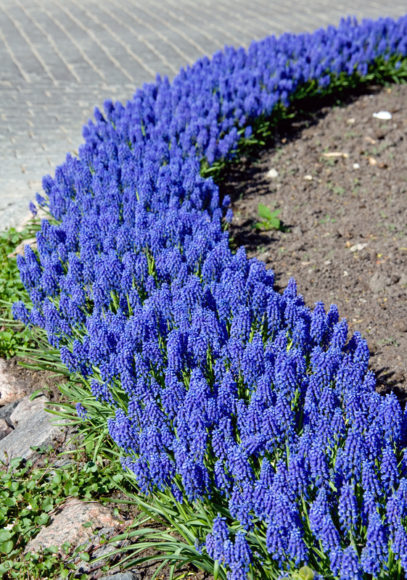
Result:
pixel 60 58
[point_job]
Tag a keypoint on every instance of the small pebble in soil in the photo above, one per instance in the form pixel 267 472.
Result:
pixel 272 173
pixel 357 247
pixel 383 115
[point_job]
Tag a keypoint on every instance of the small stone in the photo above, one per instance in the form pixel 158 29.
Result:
pixel 383 115
pixel 308 177
pixel 123 576
pixel 357 247
pixel 335 155
pixel 11 389
pixel 5 428
pixel 345 273
pixel 272 173
pixel 370 140
pixel 372 161
pixel 356 166
pixel 351 121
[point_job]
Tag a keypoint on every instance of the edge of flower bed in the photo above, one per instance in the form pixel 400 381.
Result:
pixel 82 396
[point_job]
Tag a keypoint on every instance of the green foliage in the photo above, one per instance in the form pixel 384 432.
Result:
pixel 269 220
pixel 177 539
pixel 12 335
pixel 29 496
pixel 304 573
pixel 11 287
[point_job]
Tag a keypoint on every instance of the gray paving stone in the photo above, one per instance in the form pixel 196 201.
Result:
pixel 59 59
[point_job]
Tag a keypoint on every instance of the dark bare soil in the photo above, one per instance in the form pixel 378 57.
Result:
pixel 341 185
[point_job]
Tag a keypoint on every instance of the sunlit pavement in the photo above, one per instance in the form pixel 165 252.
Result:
pixel 58 59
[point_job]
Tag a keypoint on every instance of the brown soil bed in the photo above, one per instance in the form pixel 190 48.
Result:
pixel 341 185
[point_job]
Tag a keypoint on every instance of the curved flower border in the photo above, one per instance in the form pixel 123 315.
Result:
pixel 221 391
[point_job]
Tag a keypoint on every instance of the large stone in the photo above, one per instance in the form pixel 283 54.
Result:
pixel 34 427
pixel 68 525
pixel 11 388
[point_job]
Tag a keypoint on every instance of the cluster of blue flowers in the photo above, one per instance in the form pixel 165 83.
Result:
pixel 234 392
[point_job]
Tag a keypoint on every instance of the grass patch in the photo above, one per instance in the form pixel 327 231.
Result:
pixel 28 498
pixel 13 335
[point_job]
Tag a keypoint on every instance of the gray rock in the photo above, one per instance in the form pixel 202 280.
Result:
pixel 123 576
pixel 26 408
pixel 34 427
